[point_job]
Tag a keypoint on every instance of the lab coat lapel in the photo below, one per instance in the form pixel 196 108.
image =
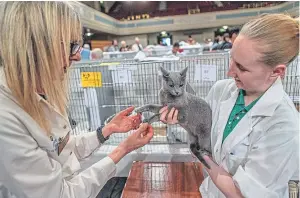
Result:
pixel 265 106
pixel 240 132
pixel 225 110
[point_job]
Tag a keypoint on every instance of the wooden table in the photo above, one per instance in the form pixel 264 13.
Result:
pixel 164 180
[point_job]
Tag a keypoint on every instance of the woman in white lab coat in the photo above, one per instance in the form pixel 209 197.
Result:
pixel 39 156
pixel 255 128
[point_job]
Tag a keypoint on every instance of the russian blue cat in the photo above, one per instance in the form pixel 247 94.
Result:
pixel 194 114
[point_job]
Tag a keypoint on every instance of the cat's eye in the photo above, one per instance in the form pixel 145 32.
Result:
pixel 180 85
pixel 171 85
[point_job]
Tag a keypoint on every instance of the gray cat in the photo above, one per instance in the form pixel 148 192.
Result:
pixel 194 114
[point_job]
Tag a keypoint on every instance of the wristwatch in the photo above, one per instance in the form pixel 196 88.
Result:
pixel 100 136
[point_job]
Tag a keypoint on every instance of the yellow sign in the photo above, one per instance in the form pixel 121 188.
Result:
pixel 91 79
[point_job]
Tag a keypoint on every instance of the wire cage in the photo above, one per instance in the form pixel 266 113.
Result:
pixel 98 90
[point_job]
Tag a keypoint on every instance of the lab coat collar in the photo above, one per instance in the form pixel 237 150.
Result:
pixel 268 102
pixel 3 82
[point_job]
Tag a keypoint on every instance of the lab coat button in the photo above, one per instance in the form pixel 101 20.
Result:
pixel 65 126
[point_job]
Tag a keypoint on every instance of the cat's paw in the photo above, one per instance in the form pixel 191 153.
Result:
pixel 181 118
pixel 205 152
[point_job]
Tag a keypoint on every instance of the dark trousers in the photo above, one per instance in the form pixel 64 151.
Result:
pixel 113 188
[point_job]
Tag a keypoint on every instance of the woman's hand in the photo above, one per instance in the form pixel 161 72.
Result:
pixel 122 123
pixel 139 138
pixel 222 179
pixel 172 116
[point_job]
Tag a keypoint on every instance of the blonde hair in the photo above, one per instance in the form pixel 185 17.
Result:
pixel 34 47
pixel 278 36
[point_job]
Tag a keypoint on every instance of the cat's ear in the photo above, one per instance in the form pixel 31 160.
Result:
pixel 164 72
pixel 183 72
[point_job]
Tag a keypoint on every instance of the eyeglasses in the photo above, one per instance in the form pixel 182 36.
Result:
pixel 74 48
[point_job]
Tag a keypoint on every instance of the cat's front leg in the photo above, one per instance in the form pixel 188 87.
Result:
pixel 154 108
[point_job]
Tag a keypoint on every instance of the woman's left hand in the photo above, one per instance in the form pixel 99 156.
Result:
pixel 122 122
pixel 222 179
pixel 215 169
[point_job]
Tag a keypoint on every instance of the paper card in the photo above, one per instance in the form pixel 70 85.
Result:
pixel 122 67
pixel 122 76
pixel 205 73
pixel 209 73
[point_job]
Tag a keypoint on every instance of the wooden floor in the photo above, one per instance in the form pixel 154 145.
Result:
pixel 164 180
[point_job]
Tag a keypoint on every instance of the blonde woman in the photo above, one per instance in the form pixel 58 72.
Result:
pixel 255 129
pixel 39 156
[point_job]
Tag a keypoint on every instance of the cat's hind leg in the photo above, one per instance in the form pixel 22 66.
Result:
pixel 197 151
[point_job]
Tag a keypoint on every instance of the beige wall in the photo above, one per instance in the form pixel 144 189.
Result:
pixel 96 20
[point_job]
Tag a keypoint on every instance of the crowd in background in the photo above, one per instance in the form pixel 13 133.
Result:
pixel 220 42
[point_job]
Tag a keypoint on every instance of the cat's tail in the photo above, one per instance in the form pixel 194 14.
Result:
pixel 202 160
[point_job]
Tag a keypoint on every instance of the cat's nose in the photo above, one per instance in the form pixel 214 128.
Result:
pixel 176 92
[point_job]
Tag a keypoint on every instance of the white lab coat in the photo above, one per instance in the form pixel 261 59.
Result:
pixel 30 165
pixel 262 151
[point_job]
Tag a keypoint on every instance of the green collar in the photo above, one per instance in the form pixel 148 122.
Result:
pixel 241 100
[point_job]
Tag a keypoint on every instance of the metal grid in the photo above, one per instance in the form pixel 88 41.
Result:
pixel 129 83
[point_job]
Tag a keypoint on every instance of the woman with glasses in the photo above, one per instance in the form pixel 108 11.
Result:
pixel 40 157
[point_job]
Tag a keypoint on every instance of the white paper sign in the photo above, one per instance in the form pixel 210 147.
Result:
pixel 123 67
pixel 122 76
pixel 209 73
pixel 205 73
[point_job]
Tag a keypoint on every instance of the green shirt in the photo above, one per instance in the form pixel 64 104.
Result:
pixel 237 113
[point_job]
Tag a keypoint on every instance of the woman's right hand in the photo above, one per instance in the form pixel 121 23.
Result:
pixel 172 116
pixel 137 139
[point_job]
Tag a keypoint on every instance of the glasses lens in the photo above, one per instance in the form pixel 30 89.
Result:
pixel 75 48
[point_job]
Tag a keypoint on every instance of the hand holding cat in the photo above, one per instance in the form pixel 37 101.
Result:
pixel 172 116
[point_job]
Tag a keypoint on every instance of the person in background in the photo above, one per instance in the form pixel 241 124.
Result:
pixel 190 40
pixel 215 43
pixel 86 46
pixel 234 32
pixel 175 50
pixel 208 44
pixel 227 42
pixel 96 54
pixel 137 46
pixel 124 47
pixel 85 53
pixel 255 128
pixel 114 46
pixel 40 157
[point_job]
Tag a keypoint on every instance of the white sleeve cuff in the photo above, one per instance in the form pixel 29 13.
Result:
pixel 249 187
pixel 108 167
